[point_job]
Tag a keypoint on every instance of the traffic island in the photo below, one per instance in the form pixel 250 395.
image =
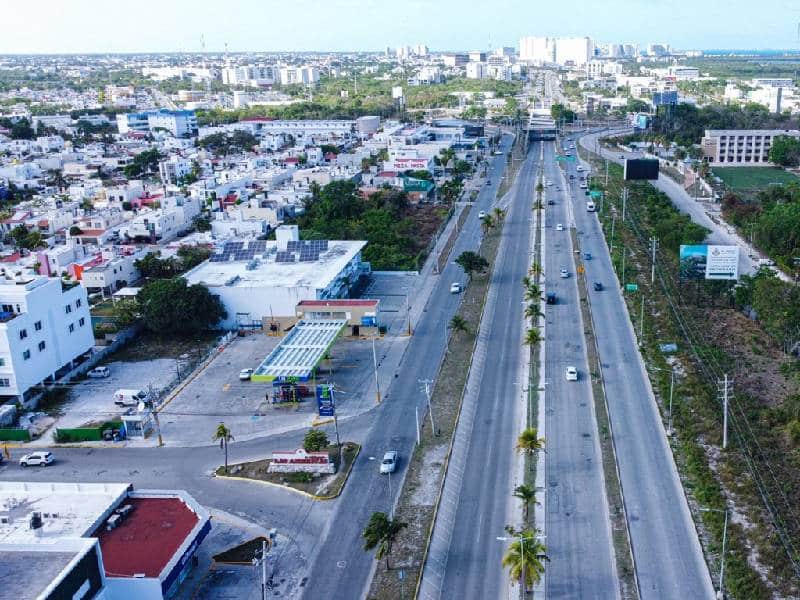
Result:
pixel 316 485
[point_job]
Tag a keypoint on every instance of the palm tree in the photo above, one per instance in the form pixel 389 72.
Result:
pixel 532 311
pixel 459 323
pixel 525 558
pixel 487 222
pixel 527 494
pixel 532 337
pixel 533 292
pixel 224 435
pixel 447 155
pixel 535 270
pixel 527 281
pixel 529 441
pixel 499 214
pixel 381 532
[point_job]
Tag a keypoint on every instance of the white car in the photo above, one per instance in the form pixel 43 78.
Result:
pixel 571 374
pixel 389 462
pixel 564 273
pixel 559 227
pixel 583 186
pixel 245 374
pixel 455 288
pixel 41 459
pixel 579 168
pixel 99 373
pixel 482 214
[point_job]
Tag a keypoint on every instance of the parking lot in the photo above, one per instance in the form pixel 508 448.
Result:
pixel 91 400
pixel 393 289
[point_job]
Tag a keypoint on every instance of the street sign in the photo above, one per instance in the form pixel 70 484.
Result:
pixel 596 194
pixel 580 269
pixel 326 406
pixel 631 287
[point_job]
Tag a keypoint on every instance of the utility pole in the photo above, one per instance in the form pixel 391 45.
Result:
pixel 264 570
pixel 641 323
pixel 613 222
pixel 671 389
pixel 653 247
pixel 624 201
pixel 623 266
pixel 416 420
pixel 606 173
pixel 151 393
pixel 408 313
pixel 726 390
pixel 375 366
pixel 427 383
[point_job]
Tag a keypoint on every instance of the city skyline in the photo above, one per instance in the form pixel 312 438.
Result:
pixel 341 25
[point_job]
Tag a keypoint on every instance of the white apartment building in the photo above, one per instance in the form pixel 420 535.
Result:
pixel 741 147
pixel 115 270
pixel 563 51
pixel 44 327
pixel 683 73
pixel 537 50
pixel 305 75
pixel 251 75
pixel 174 169
pixel 476 70
pixel 180 123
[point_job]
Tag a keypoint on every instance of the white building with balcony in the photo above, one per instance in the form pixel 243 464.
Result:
pixel 741 147
pixel 44 326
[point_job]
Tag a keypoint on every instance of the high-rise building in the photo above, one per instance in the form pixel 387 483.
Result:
pixel 574 51
pixel 537 50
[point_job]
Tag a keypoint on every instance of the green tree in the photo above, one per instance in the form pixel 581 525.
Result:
pixel 446 155
pixel 75 230
pixel 785 151
pixel 315 440
pixel 472 262
pixel 143 163
pixel 125 312
pixel 487 222
pixel 153 267
pixel 559 112
pixel 191 256
pixel 381 532
pixel 459 323
pixel 533 337
pixel 529 441
pixel 171 307
pixel 525 558
pixel 532 311
pixel 527 494
pixel 202 224
pixel 224 436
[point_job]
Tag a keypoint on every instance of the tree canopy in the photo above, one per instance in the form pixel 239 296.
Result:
pixel 171 307
pixel 143 163
pixel 785 151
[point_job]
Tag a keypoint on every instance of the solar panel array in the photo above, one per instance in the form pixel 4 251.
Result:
pixel 236 251
pixel 285 257
pixel 316 245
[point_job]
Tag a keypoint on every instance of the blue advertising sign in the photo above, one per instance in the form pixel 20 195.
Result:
pixel 325 402
pixel 369 321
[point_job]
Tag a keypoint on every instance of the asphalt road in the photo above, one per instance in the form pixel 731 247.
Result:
pixel 577 519
pixel 473 568
pixel 669 559
pixel 343 569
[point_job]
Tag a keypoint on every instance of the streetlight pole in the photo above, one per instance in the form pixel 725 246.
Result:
pixel 721 593
pixel 375 366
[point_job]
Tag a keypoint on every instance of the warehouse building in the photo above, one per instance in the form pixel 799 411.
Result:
pixel 261 282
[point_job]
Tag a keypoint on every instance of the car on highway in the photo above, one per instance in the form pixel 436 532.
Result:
pixel 587 256
pixel 245 374
pixel 551 298
pixel 389 462
pixel 622 156
pixel 455 288
pixel 583 185
pixel 571 374
pixel 579 168
pixel 559 227
pixel 550 203
pixel 34 459
pixel 99 373
pixel 564 273
pixel 482 214
pixel 598 287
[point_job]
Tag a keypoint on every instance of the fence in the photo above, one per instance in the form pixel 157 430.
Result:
pixel 15 435
pixel 85 434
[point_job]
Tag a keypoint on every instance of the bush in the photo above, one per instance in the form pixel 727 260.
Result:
pixel 315 440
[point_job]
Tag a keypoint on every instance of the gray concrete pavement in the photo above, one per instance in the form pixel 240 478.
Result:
pixel 343 569
pixel 577 519
pixel 668 557
pixel 465 557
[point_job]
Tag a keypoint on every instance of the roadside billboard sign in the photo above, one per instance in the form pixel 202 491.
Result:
pixel 326 405
pixel 631 287
pixel 596 194
pixel 703 261
pixel 640 169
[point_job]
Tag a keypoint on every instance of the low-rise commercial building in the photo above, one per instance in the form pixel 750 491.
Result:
pixel 741 147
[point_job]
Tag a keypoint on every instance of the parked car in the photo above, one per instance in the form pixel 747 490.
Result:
pixel 564 273
pixel 99 373
pixel 598 287
pixel 389 462
pixel 559 227
pixel 245 374
pixel 455 288
pixel 34 459
pixel 130 397
pixel 571 374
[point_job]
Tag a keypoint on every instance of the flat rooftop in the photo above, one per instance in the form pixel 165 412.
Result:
pixel 300 351
pixel 266 267
pixel 343 303
pixel 68 509
pixel 25 575
pixel 147 540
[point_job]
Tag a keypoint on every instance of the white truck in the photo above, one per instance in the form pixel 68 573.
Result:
pixel 130 397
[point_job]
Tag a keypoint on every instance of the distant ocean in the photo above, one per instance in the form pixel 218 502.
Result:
pixel 740 52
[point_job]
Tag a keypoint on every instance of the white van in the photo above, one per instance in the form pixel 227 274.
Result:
pixel 130 397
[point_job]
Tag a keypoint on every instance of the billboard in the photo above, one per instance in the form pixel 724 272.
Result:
pixel 325 403
pixel 662 98
pixel 638 169
pixel 641 121
pixel 709 262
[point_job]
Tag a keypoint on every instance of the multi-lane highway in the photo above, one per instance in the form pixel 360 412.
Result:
pixel 668 558
pixel 577 518
pixel 342 568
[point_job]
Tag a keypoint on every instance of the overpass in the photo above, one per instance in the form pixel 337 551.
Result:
pixel 541 126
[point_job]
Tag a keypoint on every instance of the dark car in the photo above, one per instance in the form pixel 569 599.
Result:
pixel 598 287
pixel 550 202
pixel 551 298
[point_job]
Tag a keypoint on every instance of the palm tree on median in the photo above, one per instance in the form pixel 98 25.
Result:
pixel 525 558
pixel 527 494
pixel 224 435
pixel 459 323
pixel 380 533
pixel 532 311
pixel 533 292
pixel 532 337
pixel 529 441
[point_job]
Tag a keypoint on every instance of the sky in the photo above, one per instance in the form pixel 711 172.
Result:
pixel 79 26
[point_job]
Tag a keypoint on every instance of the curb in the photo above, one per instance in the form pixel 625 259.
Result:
pixel 295 490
